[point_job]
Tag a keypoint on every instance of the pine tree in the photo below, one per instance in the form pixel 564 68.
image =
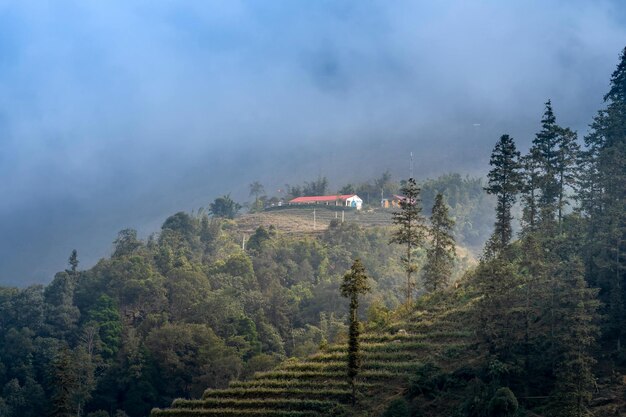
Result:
pixel 567 167
pixel 575 337
pixel 411 231
pixel 504 183
pixel 64 381
pixel 354 284
pixel 496 279
pixel 604 202
pixel 548 171
pixel 545 150
pixel 529 190
pixel 73 261
pixel 441 254
pixel 534 296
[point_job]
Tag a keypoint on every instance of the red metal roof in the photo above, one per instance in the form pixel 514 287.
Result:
pixel 321 198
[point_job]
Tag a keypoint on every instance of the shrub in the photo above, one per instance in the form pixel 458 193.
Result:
pixel 426 381
pixel 397 408
pixel 503 403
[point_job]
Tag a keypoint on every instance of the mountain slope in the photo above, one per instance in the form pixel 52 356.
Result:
pixel 430 336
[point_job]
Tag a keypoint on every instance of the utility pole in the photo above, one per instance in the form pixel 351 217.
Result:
pixel 314 219
pixel 342 212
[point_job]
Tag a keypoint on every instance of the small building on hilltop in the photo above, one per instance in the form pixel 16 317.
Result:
pixel 345 200
pixel 392 202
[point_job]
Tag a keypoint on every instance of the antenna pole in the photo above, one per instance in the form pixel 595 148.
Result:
pixel 411 167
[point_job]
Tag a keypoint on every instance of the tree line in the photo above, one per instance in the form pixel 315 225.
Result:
pixel 552 300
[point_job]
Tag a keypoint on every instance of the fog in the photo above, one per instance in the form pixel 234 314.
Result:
pixel 117 114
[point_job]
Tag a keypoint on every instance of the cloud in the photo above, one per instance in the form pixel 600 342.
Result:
pixel 116 114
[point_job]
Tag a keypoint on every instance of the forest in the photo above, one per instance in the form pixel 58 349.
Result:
pixel 188 309
pixel 542 309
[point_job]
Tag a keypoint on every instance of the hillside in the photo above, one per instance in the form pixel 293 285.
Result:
pixel 295 219
pixel 431 337
pixel 431 358
pixel 334 264
pixel 184 310
pixel 299 221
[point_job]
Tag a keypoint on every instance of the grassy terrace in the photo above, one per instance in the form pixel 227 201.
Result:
pixel 293 404
pixel 317 386
pixel 293 383
pixel 258 392
pixel 229 412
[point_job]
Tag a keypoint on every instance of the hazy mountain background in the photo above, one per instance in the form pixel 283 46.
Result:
pixel 116 114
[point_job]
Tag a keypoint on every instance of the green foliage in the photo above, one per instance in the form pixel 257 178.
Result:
pixel 61 314
pixel 441 253
pixel 503 403
pixel 191 357
pixel 260 236
pixel 411 230
pixel 65 382
pixel 188 309
pixel 182 223
pixel 378 316
pixel 398 408
pixel 354 284
pixel 347 189
pixel 130 319
pixel 496 280
pixel 470 206
pixel 549 171
pixel 256 189
pixel 73 261
pixel 106 317
pixel 126 243
pixel 504 183
pixel 426 381
pixel 187 293
pixel 316 187
pixel 545 147
pixel 603 203
pixel 225 207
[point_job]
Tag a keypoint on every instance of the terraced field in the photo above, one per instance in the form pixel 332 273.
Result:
pixel 300 219
pixel 317 386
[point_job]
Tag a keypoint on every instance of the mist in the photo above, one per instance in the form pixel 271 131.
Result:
pixel 117 114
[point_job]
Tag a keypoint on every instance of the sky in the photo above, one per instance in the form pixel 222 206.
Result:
pixel 116 114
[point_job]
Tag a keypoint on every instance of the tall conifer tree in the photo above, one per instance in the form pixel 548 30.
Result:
pixel 441 253
pixel 504 182
pixel 567 167
pixel 545 150
pixel 411 231
pixel 575 336
pixel 529 190
pixel 73 262
pixel 604 202
pixel 548 172
pixel 354 284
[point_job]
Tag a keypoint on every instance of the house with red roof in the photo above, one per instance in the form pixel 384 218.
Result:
pixel 345 200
